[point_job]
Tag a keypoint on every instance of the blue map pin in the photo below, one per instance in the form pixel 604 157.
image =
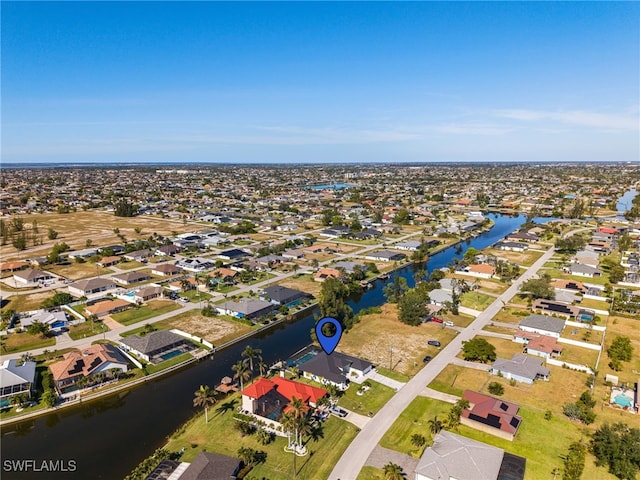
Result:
pixel 328 342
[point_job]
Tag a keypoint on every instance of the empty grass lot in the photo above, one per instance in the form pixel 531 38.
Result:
pixel 476 300
pixel 87 329
pixel 218 329
pixel 455 380
pixel 384 340
pixel 220 436
pixel 27 302
pixel 150 310
pixel 23 342
pixel 526 258
pixel 77 271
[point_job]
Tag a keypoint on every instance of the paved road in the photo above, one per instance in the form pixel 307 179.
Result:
pixel 356 455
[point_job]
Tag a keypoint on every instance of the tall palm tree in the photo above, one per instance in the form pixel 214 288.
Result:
pixel 435 425
pixel 298 410
pixel 393 471
pixel 263 368
pixel 250 354
pixel 204 397
pixel 241 372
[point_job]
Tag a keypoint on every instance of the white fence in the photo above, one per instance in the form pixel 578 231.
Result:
pixel 572 366
pixel 590 346
pixel 587 326
pixel 193 337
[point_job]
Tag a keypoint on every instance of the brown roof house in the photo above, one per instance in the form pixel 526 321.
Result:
pixel 107 307
pixel 166 270
pixel 84 367
pixel 491 415
pixel 130 277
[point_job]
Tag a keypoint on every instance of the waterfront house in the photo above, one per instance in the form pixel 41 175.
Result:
pixel 324 273
pixel 249 308
pixel 280 295
pixel 335 369
pixel 16 378
pixel 156 346
pixel 385 256
pixel 269 398
pixel 208 466
pixel 97 359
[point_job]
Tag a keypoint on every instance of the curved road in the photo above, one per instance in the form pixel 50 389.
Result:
pixel 355 456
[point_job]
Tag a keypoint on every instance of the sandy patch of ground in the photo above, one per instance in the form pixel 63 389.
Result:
pixel 382 339
pixel 304 283
pixel 215 330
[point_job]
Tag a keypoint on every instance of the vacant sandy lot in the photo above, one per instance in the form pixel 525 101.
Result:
pixel 76 228
pixel 376 335
pixel 216 330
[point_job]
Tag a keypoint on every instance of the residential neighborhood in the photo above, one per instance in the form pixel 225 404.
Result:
pixel 451 331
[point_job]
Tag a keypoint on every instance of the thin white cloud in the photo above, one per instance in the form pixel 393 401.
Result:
pixel 574 117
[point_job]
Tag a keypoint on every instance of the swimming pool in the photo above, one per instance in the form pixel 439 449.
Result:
pixel 623 400
pixel 171 354
pixel 130 294
pixel 305 358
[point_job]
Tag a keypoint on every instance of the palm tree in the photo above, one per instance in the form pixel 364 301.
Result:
pixel 418 440
pixel 250 355
pixel 393 472
pixel 241 372
pixel 435 425
pixel 204 397
pixel 263 368
pixel 298 410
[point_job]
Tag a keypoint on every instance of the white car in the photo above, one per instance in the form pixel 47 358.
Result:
pixel 449 324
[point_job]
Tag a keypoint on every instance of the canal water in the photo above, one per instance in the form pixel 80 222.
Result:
pixel 624 202
pixel 107 438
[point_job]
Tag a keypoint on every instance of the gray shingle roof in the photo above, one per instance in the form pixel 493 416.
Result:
pixel 13 374
pixel 522 366
pixel 152 341
pixel 455 456
pixel 543 322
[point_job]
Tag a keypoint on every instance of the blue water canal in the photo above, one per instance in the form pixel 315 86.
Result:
pixel 107 438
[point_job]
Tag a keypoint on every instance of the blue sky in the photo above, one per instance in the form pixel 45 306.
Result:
pixel 320 82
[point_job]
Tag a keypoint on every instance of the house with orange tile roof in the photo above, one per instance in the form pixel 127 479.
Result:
pixel 12 266
pixel 107 307
pixel 537 344
pixel 480 270
pixel 88 363
pixel 324 273
pixel 222 275
pixel 269 398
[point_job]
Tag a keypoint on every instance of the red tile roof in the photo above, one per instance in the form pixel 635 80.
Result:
pixel 484 407
pixel 286 388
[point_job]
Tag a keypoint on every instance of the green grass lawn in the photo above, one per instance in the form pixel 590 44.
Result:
pixel 196 296
pixel 413 420
pixel 597 304
pixel 392 374
pixel 370 401
pixel 139 330
pixel 23 342
pixel 371 473
pixel 87 329
pixel 455 380
pixel 220 436
pixel 476 300
pixel 152 309
pixel 168 363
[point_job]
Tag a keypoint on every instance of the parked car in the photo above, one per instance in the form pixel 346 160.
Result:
pixel 430 318
pixel 338 411
pixel 434 343
pixel 436 320
pixel 449 324
pixel 427 359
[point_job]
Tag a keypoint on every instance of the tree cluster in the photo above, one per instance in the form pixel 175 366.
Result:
pixel 539 287
pixel 582 410
pixel 618 447
pixel 478 350
pixel 570 245
pixel 332 302
pixel 124 208
pixel 574 461
pixel 620 351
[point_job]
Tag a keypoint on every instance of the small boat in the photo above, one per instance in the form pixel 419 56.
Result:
pixel 384 276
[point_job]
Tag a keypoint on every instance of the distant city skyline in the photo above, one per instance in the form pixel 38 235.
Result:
pixel 327 82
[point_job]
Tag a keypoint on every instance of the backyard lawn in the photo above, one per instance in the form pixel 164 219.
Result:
pixel 370 401
pixel 220 436
pixel 150 310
